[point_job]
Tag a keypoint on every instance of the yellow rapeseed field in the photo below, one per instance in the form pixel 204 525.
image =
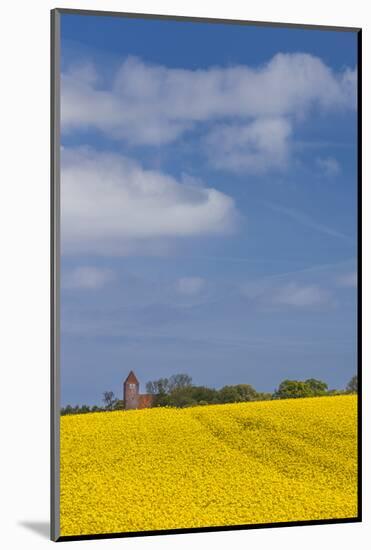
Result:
pixel 212 465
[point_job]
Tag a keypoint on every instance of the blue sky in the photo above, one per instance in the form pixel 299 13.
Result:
pixel 208 204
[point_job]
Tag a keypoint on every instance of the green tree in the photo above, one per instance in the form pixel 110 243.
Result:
pixel 162 400
pixel 336 392
pixel 168 391
pixel 66 410
pixel 204 394
pixel 352 386
pixel 185 395
pixel 264 396
pixel 160 386
pixel 317 386
pixel 292 389
pixel 178 381
pixel 237 394
pixel 181 397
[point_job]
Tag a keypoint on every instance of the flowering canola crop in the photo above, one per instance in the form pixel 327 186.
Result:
pixel 214 465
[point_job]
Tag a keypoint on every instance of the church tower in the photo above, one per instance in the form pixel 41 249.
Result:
pixel 131 392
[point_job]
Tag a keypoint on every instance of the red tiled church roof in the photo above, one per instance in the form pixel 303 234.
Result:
pixel 132 379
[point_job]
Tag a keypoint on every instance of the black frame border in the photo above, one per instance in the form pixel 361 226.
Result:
pixel 55 272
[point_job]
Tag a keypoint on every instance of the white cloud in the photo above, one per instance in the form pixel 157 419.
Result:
pixel 275 294
pixel 329 165
pixel 190 286
pixel 111 205
pixel 347 280
pixel 153 104
pixel 300 296
pixel 89 278
pixel 256 147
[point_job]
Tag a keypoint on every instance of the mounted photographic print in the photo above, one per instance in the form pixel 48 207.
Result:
pixel 205 274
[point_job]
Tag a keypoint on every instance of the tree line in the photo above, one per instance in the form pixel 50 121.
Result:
pixel 110 403
pixel 179 391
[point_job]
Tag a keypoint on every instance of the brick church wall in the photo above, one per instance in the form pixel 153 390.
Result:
pixel 145 400
pixel 132 398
